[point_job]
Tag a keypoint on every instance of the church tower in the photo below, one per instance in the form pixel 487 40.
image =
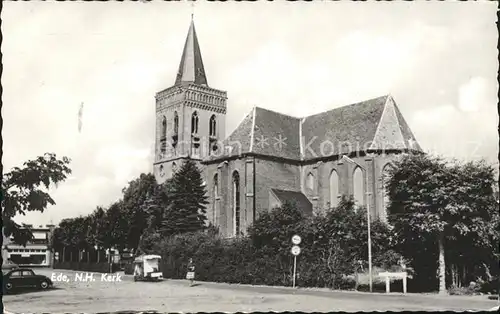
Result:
pixel 190 115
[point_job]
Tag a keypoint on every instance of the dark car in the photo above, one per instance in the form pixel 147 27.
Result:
pixel 24 278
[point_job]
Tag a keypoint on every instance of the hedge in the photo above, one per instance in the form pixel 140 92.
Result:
pixel 332 245
pixel 82 266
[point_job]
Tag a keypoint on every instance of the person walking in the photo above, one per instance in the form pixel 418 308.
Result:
pixel 190 272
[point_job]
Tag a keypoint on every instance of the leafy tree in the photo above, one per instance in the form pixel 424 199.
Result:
pixel 24 190
pixel 271 235
pixel 187 201
pixel 142 198
pixel 435 204
pixel 115 226
pixel 97 231
pixel 276 228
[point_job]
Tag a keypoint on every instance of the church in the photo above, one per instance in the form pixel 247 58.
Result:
pixel 271 157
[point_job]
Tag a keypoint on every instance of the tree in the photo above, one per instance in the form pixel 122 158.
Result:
pixel 435 204
pixel 187 197
pixel 115 226
pixel 24 190
pixel 143 202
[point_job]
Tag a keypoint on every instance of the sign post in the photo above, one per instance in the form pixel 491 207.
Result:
pixel 295 251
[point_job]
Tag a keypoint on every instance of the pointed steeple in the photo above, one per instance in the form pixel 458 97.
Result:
pixel 191 68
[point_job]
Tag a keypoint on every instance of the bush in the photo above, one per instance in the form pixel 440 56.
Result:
pixel 470 290
pixel 331 246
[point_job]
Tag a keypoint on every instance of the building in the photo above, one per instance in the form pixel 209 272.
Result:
pixel 273 157
pixel 36 252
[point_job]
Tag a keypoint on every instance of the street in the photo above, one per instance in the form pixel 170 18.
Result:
pixel 176 296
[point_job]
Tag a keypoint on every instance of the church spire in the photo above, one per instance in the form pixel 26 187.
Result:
pixel 191 68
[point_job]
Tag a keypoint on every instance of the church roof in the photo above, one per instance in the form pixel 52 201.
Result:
pixel 298 198
pixel 191 68
pixel 375 124
pixel 275 134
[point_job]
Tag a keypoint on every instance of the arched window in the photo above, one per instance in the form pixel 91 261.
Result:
pixel 236 202
pixel 215 194
pixel 174 167
pixel 359 186
pixel 334 188
pixel 310 181
pixel 176 123
pixel 194 123
pixel 212 125
pixel 163 127
pixel 385 191
pixel 216 185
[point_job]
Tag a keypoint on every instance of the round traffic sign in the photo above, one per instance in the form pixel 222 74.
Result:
pixel 296 239
pixel 295 250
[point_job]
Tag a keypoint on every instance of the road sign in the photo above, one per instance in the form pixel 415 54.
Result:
pixel 295 250
pixel 296 239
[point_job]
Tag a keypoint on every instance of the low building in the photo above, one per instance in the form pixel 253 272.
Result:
pixel 37 252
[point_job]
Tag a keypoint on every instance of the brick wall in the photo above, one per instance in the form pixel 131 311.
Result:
pixel 282 175
pixel 372 168
pixel 224 218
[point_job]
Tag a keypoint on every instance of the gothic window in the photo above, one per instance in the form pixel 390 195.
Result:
pixel 215 195
pixel 163 127
pixel 385 191
pixel 174 167
pixel 212 125
pixel 236 202
pixel 176 123
pixel 359 186
pixel 334 188
pixel 194 123
pixel 310 181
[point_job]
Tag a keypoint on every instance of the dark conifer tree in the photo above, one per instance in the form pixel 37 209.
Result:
pixel 188 200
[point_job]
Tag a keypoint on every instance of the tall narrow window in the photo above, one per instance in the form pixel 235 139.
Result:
pixel 310 181
pixel 176 123
pixel 215 195
pixel 194 123
pixel 334 188
pixel 163 127
pixel 359 186
pixel 385 191
pixel 213 125
pixel 236 202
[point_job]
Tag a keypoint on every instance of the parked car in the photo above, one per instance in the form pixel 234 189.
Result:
pixel 24 278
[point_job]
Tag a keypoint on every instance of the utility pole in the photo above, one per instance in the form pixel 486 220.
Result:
pixel 368 194
pixel 369 240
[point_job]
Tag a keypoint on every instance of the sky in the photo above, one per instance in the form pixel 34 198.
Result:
pixel 437 59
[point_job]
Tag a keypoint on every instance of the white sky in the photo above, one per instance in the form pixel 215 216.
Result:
pixel 438 60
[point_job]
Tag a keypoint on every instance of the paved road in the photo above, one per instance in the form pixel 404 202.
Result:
pixel 177 296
